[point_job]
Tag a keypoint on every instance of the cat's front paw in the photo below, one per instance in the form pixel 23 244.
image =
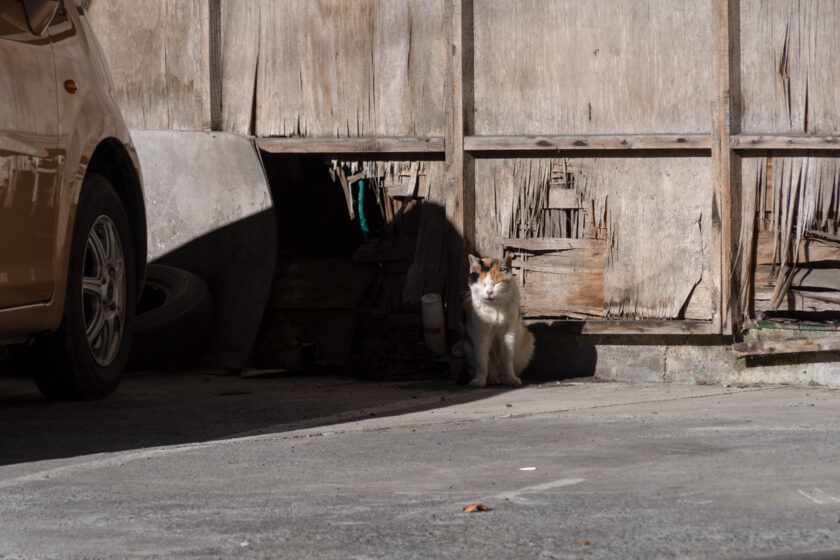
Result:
pixel 477 382
pixel 512 381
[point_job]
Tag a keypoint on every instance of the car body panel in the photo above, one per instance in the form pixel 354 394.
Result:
pixel 30 163
pixel 82 121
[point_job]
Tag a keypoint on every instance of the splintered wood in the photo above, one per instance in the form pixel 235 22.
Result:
pixel 596 241
pixel 789 250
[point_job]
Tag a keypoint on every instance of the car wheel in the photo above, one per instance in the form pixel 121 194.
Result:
pixel 86 357
pixel 172 317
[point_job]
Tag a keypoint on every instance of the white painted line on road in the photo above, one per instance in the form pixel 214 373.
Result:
pixel 819 496
pixel 515 495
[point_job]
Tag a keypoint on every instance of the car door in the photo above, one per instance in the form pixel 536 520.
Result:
pixel 29 160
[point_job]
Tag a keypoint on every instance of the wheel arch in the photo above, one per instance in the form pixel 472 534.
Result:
pixel 112 160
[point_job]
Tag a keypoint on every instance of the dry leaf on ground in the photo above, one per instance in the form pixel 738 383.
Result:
pixel 472 508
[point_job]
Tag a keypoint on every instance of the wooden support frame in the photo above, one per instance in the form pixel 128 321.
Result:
pixel 366 145
pixel 659 142
pixel 789 346
pixel 726 166
pixel 459 166
pixel 782 142
pixel 460 146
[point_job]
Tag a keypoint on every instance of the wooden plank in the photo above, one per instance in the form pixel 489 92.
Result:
pixel 311 284
pixel 240 44
pixel 628 327
pixel 366 145
pixel 489 144
pixel 563 198
pixel 550 244
pixel 789 51
pixel 459 167
pixel 789 346
pixel 821 142
pixel 593 67
pixel 726 199
pixel 351 68
pixel 551 294
pixel 160 71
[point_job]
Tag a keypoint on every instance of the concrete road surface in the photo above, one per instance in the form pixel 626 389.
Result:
pixel 203 465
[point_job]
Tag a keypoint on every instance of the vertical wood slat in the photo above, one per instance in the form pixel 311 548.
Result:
pixel 726 197
pixel 459 167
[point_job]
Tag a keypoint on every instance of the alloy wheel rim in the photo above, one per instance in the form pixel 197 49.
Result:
pixel 103 290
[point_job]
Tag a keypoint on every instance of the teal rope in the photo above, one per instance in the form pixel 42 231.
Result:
pixel 360 210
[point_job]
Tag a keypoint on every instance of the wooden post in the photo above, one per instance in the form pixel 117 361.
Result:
pixel 459 167
pixel 726 168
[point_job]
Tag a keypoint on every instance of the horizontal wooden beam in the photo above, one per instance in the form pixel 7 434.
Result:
pixel 784 142
pixel 588 142
pixel 630 326
pixel 366 145
pixel 789 346
pixel 550 243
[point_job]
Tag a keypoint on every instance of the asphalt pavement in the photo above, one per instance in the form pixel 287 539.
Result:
pixel 210 465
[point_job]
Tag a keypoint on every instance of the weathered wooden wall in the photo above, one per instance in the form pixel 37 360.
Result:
pixel 625 230
pixel 314 68
pixel 599 66
pixel 790 71
pixel 159 60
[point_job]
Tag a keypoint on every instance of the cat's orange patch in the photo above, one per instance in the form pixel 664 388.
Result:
pixel 492 268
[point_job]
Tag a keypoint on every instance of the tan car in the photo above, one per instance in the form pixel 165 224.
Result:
pixel 72 218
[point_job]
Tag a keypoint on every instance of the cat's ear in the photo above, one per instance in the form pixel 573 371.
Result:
pixel 507 264
pixel 475 264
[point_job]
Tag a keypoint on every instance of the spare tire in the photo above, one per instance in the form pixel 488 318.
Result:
pixel 172 317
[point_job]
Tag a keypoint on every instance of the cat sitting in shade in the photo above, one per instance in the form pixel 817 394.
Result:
pixel 497 345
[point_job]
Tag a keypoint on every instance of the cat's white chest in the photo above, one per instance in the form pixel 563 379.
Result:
pixel 490 315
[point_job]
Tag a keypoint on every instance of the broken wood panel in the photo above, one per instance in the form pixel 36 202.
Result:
pixel 160 72
pixel 345 68
pixel 789 346
pixel 656 215
pixel 594 67
pixel 644 327
pixel 790 66
pixel 796 200
pixel 651 214
pixel 555 295
pixel 240 42
pixel 563 198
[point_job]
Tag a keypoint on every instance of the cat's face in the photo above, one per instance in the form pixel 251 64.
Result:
pixel 490 278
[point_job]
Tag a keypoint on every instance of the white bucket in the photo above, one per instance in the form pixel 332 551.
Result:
pixel 434 326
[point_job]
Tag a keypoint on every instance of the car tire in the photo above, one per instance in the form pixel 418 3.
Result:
pixel 87 356
pixel 172 317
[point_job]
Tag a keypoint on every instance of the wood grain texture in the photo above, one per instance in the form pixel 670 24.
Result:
pixel 159 62
pixel 789 346
pixel 790 66
pixel 658 234
pixel 821 142
pixel 379 145
pixel 240 42
pixel 599 66
pixel 588 142
pixel 726 175
pixel 345 68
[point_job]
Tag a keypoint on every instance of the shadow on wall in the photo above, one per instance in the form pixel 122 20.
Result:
pixel 237 263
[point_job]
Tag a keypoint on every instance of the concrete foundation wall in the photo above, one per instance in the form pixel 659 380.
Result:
pixel 678 359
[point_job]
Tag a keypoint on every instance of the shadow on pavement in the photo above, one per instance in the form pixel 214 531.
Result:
pixel 166 408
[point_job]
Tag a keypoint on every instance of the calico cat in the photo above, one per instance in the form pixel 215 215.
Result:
pixel 497 345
